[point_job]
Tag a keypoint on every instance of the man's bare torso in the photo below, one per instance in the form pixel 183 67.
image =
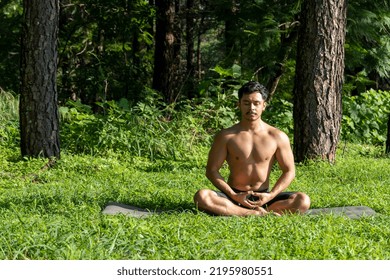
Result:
pixel 250 156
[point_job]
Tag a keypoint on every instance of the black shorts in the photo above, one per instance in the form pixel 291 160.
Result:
pixel 280 196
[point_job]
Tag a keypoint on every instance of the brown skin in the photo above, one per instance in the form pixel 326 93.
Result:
pixel 250 148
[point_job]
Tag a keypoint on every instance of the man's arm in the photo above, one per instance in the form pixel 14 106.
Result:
pixel 217 156
pixel 284 157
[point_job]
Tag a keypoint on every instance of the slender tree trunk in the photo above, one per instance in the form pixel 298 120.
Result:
pixel 198 47
pixel 190 37
pixel 231 29
pixel 39 121
pixel 319 79
pixel 167 48
pixel 287 41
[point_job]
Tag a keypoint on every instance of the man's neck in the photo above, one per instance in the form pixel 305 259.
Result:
pixel 252 125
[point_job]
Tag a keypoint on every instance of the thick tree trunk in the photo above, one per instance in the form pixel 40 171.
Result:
pixel 39 121
pixel 319 79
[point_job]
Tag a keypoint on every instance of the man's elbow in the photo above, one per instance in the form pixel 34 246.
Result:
pixel 292 174
pixel 208 174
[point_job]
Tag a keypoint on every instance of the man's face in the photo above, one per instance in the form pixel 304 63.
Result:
pixel 252 106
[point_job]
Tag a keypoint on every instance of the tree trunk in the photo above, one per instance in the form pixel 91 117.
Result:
pixel 287 41
pixel 231 30
pixel 39 121
pixel 190 37
pixel 319 79
pixel 200 31
pixel 167 48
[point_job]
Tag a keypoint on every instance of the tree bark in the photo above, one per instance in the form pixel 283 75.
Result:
pixel 39 120
pixel 319 79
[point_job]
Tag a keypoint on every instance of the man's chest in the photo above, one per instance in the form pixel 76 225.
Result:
pixel 256 148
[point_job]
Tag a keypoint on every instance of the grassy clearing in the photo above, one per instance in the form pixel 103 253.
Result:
pixel 56 213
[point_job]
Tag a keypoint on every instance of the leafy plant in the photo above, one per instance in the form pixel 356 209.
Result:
pixel 9 119
pixel 365 117
pixel 279 113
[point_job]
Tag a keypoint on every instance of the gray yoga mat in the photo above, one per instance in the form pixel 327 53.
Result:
pixel 114 208
pixel 353 212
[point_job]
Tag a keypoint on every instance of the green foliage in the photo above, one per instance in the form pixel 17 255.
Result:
pixel 105 49
pixel 365 117
pixel 149 129
pixel 9 119
pixel 278 113
pixel 10 18
pixel 253 34
pixel 358 83
pixel 367 40
pixel 222 80
pixel 154 130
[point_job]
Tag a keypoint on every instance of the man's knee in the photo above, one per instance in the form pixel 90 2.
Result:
pixel 303 200
pixel 201 197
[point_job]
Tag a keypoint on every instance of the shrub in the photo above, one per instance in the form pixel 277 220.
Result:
pixel 365 117
pixel 9 119
pixel 149 129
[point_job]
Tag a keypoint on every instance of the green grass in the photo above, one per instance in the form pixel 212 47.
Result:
pixel 56 213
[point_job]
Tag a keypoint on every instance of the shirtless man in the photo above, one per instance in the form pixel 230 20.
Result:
pixel 250 148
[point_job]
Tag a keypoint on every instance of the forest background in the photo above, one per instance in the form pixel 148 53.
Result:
pixel 127 136
pixel 107 53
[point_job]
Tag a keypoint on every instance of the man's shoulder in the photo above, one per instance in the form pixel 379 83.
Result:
pixel 234 129
pixel 225 134
pixel 275 133
pixel 274 130
pixel 278 134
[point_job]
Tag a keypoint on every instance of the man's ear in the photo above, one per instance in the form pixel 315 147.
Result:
pixel 265 105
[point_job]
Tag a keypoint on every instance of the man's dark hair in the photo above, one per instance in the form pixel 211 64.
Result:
pixel 253 86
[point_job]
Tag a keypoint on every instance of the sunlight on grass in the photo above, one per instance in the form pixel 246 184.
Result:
pixel 56 213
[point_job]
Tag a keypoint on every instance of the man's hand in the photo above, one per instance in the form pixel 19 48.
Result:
pixel 242 199
pixel 261 198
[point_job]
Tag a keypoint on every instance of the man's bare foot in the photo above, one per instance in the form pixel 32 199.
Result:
pixel 274 214
pixel 262 212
